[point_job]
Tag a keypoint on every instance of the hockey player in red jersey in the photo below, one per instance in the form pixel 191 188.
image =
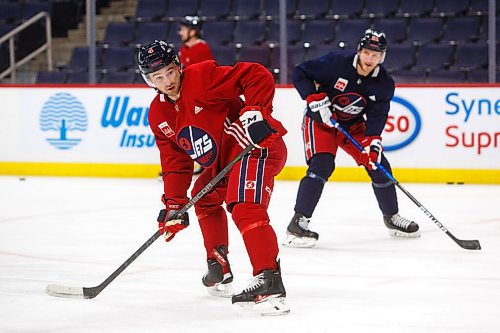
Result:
pixel 193 49
pixel 198 115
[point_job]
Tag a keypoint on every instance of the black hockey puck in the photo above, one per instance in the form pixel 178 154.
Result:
pixel 22 178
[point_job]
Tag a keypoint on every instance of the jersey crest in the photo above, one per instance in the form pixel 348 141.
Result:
pixel 198 144
pixel 347 106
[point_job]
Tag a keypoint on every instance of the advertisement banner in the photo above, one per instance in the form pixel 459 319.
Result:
pixel 428 127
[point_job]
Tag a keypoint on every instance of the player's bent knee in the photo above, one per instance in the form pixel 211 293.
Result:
pixel 321 166
pixel 248 216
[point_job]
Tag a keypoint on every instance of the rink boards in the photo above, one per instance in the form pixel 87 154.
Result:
pixel 433 134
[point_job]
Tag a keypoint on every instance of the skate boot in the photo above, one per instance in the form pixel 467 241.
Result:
pixel 264 295
pixel 298 233
pixel 399 226
pixel 219 276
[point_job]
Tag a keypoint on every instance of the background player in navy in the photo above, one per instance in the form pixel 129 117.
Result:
pixel 356 90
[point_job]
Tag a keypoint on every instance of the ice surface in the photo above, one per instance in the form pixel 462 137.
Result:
pixel 76 231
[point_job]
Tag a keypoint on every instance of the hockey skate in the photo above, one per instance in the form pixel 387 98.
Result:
pixel 264 295
pixel 298 233
pixel 399 226
pixel 219 276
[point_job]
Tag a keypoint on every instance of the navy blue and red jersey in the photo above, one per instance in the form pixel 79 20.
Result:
pixel 355 98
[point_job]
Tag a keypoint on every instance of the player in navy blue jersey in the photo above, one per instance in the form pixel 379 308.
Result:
pixel 356 90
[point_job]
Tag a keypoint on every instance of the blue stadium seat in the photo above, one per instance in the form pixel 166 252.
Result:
pixel 462 29
pixel 4 57
pixel 211 9
pixel 119 33
pixel 394 29
pixel 319 32
pixel 118 58
pixel 425 30
pixel 446 76
pixel 118 77
pixel 250 32
pixel 478 8
pixel 346 9
pixel 295 55
pixel 51 77
pixel 80 58
pixel 30 9
pixel 313 9
pixel 247 9
pixel 5 28
pixel 293 31
pixel 470 56
pixel 412 8
pixel 450 7
pixel 181 8
pixel 316 51
pixel 150 10
pixel 260 54
pixel 434 56
pixel 173 34
pixel 399 57
pixel 271 8
pixel 66 14
pixel 409 76
pixel 9 12
pixel 224 55
pixel 218 32
pixel 483 35
pixel 149 31
pixel 30 39
pixel 349 31
pixel 380 8
pixel 80 77
pixel 478 76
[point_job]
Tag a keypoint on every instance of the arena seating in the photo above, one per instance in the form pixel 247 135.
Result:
pixel 436 39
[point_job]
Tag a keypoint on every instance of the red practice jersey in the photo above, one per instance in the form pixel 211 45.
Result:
pixel 203 124
pixel 194 54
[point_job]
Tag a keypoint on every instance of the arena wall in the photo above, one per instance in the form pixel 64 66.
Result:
pixel 434 133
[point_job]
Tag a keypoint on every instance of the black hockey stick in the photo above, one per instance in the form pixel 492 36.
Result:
pixel 84 292
pixel 466 244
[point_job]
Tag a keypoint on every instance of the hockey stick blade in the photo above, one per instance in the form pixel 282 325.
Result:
pixel 465 244
pixel 57 290
pixel 469 244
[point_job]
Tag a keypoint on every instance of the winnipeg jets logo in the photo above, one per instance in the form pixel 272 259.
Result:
pixel 198 144
pixel 348 105
pixel 341 84
pixel 197 109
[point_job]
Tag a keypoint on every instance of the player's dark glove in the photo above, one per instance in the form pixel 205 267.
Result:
pixel 372 151
pixel 168 223
pixel 320 107
pixel 259 130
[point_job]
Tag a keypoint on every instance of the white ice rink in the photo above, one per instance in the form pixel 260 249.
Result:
pixel 77 231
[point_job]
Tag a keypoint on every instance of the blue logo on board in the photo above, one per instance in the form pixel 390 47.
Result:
pixel 63 114
pixel 402 126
